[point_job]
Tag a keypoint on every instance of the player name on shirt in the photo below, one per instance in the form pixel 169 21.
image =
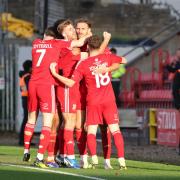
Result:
pixel 36 46
pixel 98 64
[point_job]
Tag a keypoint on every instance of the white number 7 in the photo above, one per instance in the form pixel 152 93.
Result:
pixel 42 51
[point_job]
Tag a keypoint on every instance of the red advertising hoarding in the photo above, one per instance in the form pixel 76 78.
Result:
pixel 168 123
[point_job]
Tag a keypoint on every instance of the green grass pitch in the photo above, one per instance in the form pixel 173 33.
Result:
pixel 12 168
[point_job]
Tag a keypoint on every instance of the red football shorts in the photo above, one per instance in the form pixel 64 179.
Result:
pixel 67 98
pixel 106 113
pixel 41 96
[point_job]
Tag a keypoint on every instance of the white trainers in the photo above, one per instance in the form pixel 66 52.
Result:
pixel 95 160
pixel 122 163
pixel 107 164
pixel 84 162
pixel 85 165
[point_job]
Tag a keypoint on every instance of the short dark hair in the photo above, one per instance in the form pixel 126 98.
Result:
pixel 27 65
pixel 113 50
pixel 94 42
pixel 55 28
pixel 50 32
pixel 83 20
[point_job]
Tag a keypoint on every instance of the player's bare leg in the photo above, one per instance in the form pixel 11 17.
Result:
pixel 119 143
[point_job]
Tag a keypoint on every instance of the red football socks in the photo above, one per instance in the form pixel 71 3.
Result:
pixel 28 133
pixel 106 142
pixel 81 138
pixel 62 145
pixel 44 139
pixel 119 143
pixel 51 145
pixel 91 142
pixel 69 141
pixel 56 146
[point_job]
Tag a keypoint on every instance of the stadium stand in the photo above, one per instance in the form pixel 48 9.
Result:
pixel 148 90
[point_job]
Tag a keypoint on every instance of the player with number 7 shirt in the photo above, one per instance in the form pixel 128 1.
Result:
pixel 101 105
pixel 41 92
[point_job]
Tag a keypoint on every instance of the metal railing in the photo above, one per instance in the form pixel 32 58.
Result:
pixel 7 77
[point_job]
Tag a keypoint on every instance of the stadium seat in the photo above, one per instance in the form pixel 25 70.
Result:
pixel 155 99
pixel 127 98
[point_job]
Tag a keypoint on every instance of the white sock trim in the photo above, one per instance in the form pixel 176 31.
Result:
pixel 107 161
pixel 71 156
pixel 26 151
pixel 40 156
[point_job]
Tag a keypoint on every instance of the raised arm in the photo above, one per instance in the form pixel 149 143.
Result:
pixel 107 37
pixel 68 82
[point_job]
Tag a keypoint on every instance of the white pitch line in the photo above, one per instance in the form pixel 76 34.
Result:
pixel 53 171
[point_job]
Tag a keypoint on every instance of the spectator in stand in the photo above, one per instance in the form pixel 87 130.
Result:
pixel 174 67
pixel 116 81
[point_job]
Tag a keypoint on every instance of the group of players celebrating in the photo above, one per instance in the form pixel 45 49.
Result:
pixel 71 76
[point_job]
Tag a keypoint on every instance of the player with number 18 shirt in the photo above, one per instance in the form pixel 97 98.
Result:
pixel 99 88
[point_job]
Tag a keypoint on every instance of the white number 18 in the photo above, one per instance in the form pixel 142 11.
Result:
pixel 102 79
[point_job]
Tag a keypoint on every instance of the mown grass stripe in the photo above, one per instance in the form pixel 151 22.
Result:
pixel 52 171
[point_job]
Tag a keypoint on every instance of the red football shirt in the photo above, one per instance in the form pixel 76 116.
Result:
pixel 44 52
pixel 67 62
pixel 99 88
pixel 83 89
